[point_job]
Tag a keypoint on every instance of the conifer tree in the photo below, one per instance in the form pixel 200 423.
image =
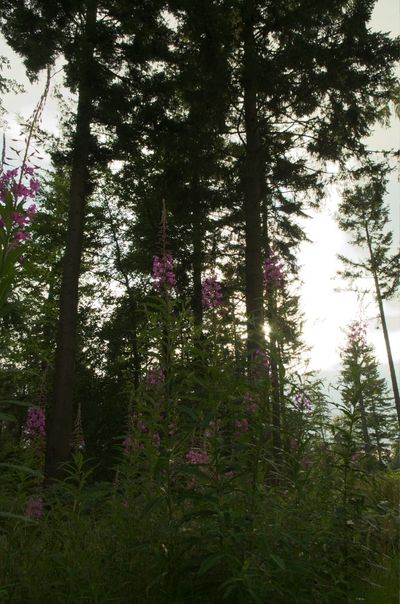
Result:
pixel 364 214
pixel 309 75
pixel 88 35
pixel 366 393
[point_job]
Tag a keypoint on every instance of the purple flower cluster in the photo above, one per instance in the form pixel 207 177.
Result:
pixel 211 293
pixel 197 457
pixel 242 426
pixel 140 425
pixel 156 440
pixel 302 403
pixel 127 445
pixel 9 182
pixel 163 272
pixel 155 376
pixel 261 364
pixel 358 333
pixel 213 429
pixel 20 192
pixel 141 429
pixel 251 403
pixel 274 277
pixel 35 426
pixel 34 507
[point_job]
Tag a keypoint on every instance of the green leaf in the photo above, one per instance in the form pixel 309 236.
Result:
pixel 17 517
pixel 19 403
pixel 188 411
pixel 209 563
pixel 7 417
pixel 279 561
pixel 21 468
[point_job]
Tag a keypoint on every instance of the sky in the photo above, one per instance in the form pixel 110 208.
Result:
pixel 327 304
pixel 326 309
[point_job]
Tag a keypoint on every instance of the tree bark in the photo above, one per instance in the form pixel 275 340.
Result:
pixel 197 259
pixel 60 425
pixel 382 316
pixel 252 188
pixel 275 381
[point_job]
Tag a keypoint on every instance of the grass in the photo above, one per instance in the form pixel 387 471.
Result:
pixel 382 587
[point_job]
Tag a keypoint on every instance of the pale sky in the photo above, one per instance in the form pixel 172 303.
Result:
pixel 327 311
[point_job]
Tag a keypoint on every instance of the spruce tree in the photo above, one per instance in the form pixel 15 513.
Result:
pixel 364 214
pixel 88 35
pixel 365 392
pixel 308 75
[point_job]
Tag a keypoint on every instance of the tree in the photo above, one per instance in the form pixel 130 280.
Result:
pixel 6 85
pixel 365 392
pixel 365 216
pixel 308 76
pixel 87 34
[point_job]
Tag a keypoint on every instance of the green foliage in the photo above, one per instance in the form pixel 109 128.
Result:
pixel 227 525
pixel 178 489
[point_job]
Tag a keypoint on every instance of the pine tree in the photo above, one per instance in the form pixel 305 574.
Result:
pixel 308 76
pixel 364 214
pixel 88 35
pixel 365 392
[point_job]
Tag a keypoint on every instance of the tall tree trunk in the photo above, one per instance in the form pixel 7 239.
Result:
pixel 275 381
pixel 61 413
pixel 197 259
pixel 379 299
pixel 275 355
pixel 252 187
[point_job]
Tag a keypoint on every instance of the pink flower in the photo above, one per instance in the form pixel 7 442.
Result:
pixel 172 427
pixel 303 403
pixel 155 376
pixel 156 440
pixel 197 457
pixel 28 170
pixel 34 507
pixel 10 174
pixel 31 211
pixel 211 293
pixel 35 426
pixel 261 364
pixel 242 426
pixel 163 272
pixel 21 236
pixel 35 186
pixel 127 444
pixel 273 272
pixel 358 334
pixel 251 403
pixel 213 428
pixel 22 191
pixel 19 219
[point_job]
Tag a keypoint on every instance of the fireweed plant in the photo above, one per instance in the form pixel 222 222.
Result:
pixel 18 187
pixel 195 512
